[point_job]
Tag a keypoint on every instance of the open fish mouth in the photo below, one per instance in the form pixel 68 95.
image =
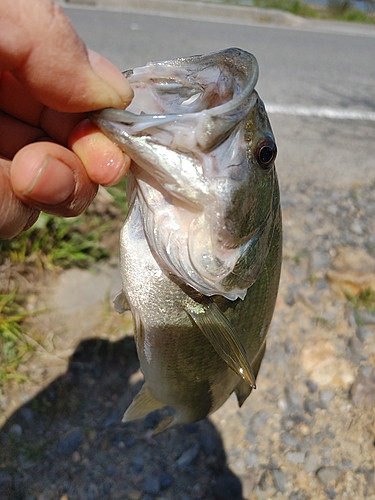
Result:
pixel 206 94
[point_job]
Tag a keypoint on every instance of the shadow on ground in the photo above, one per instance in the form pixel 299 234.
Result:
pixel 69 443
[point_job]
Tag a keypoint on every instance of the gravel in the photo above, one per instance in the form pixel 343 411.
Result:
pixel 306 433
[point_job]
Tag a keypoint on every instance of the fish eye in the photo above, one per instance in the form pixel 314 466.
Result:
pixel 266 153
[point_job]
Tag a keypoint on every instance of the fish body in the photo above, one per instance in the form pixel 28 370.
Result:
pixel 200 250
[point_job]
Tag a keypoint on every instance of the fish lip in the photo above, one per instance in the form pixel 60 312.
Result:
pixel 231 109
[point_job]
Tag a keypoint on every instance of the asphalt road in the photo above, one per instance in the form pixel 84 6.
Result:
pixel 318 83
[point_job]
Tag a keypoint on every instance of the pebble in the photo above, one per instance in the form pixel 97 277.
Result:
pixel 331 493
pixel 364 333
pixel 16 430
pixel 311 462
pixel 138 464
pixel 295 457
pixel 365 317
pixel 251 458
pixel 328 475
pixel 324 366
pixel 165 480
pixel 279 480
pixel 134 495
pixel 188 456
pixel 258 420
pixel 356 349
pixel 326 397
pixel 151 485
pixel 309 406
pixel 289 440
pixel 27 414
pixel 70 441
pixel 312 386
pixel 362 392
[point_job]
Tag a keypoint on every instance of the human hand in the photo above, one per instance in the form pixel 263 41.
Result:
pixel 51 158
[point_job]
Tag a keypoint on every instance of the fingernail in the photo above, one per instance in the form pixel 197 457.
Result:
pixel 111 76
pixel 53 183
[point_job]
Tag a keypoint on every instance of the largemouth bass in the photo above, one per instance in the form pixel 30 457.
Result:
pixel 201 245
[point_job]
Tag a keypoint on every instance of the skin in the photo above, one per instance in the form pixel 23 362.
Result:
pixel 51 157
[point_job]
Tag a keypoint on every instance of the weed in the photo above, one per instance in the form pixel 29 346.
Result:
pixel 365 300
pixel 14 348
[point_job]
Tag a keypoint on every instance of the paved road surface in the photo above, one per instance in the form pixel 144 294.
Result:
pixel 314 72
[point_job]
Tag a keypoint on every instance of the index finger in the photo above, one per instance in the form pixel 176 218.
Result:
pixel 41 48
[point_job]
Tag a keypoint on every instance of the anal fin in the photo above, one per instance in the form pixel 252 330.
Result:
pixel 242 389
pixel 142 404
pixel 164 424
pixel 223 338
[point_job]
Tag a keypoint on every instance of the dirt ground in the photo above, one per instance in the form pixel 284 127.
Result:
pixel 307 432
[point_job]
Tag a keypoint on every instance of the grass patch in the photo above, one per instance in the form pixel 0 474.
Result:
pixel 293 6
pixel 364 301
pixel 52 244
pixel 14 347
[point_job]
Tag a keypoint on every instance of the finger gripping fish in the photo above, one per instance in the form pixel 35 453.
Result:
pixel 201 245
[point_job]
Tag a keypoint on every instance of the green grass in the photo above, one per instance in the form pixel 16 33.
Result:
pixel 365 300
pixel 294 6
pixel 14 347
pixel 52 244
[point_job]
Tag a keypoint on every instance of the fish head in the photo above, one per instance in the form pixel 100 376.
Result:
pixel 203 167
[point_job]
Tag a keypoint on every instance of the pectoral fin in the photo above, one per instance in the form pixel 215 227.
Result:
pixel 121 303
pixel 223 337
pixel 242 389
pixel 143 404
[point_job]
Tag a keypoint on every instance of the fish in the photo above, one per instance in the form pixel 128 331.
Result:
pixel 201 246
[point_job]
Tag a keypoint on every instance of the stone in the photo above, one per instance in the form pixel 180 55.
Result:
pixel 70 441
pixel 324 365
pixel 362 391
pixel 251 458
pixel 165 480
pixel 311 462
pixel 279 479
pixel 356 350
pixel 328 475
pixel 296 457
pixel 188 456
pixel 326 397
pixel 288 439
pixel 16 430
pixel 138 464
pixel 364 333
pixel 258 420
pixel 352 271
pixel 364 317
pixel 151 485
pixel 309 406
